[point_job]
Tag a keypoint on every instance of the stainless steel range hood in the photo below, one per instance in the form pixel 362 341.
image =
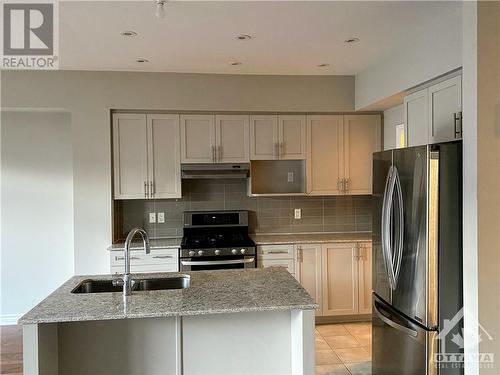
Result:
pixel 215 171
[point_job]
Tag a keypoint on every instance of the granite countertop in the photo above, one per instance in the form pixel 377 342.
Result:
pixel 283 239
pixel 210 292
pixel 160 243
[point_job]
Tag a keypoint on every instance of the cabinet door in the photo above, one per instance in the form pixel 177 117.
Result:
pixel 325 161
pixel 416 110
pixel 445 99
pixel 232 138
pixel 365 278
pixel 292 137
pixel 264 137
pixel 164 164
pixel 197 139
pixel 340 279
pixel 362 137
pixel 129 156
pixel 308 270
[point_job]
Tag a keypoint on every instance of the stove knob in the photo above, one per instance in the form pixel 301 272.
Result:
pixel 242 251
pixel 234 251
pixel 217 252
pixel 200 252
pixel 191 253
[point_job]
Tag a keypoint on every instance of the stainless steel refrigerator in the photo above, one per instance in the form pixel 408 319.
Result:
pixel 417 260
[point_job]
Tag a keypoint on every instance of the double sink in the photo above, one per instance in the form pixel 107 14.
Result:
pixel 139 285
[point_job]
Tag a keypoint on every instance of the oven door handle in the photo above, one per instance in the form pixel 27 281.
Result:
pixel 216 262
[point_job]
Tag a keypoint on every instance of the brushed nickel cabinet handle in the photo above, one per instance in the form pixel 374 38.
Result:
pixel 346 184
pixel 131 258
pixel 145 189
pixel 277 252
pixel 162 256
pixel 152 188
pixel 282 148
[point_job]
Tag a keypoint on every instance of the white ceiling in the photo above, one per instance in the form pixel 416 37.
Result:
pixel 289 37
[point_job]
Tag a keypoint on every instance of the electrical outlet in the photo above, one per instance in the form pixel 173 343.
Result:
pixel 161 217
pixel 290 177
pixel 298 213
pixel 152 217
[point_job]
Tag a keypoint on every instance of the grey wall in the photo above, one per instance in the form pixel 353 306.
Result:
pixel 267 214
pixel 89 96
pixel 36 210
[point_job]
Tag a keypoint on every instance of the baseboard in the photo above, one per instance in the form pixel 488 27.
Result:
pixel 9 319
pixel 343 319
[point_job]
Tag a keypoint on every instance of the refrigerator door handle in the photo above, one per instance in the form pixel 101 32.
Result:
pixel 386 225
pixel 401 222
pixel 393 324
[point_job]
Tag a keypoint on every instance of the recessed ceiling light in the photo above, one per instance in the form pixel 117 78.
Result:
pixel 323 65
pixel 128 33
pixel 235 63
pixel 142 60
pixel 351 40
pixel 243 37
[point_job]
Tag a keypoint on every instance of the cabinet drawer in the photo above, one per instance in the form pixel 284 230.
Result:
pixel 286 263
pixel 275 251
pixel 139 257
pixel 168 267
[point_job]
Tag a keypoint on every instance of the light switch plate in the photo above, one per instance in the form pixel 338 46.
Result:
pixel 290 177
pixel 152 217
pixel 161 217
pixel 298 213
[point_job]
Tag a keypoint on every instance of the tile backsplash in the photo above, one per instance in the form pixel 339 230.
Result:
pixel 267 214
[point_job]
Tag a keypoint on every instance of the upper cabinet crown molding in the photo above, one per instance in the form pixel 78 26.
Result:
pixel 146 160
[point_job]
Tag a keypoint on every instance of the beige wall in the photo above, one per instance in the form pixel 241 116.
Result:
pixel 488 175
pixel 89 96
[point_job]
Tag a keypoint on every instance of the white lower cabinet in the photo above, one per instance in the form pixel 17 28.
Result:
pixel 276 256
pixel 158 260
pixel 308 270
pixel 337 275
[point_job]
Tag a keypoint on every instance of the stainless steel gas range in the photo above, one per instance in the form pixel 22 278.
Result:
pixel 216 240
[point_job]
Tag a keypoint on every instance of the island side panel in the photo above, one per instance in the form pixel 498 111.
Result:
pixel 40 349
pixel 237 344
pixel 127 347
pixel 303 342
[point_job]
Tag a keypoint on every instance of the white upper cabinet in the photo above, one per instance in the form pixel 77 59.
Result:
pixel 445 103
pixel 292 132
pixel 362 137
pixel 416 114
pixel 198 139
pixel 146 160
pixel 264 137
pixel 232 133
pixel 130 156
pixel 164 165
pixel 325 154
pixel 433 114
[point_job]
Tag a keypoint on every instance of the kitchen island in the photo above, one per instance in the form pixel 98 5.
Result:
pixel 257 321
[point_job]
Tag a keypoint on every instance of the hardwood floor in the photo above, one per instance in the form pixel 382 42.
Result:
pixel 11 350
pixel 341 349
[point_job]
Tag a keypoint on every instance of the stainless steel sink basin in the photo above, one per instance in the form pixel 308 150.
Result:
pixel 180 282
pixel 139 285
pixel 97 286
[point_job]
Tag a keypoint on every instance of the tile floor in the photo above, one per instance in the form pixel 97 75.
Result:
pixel 343 349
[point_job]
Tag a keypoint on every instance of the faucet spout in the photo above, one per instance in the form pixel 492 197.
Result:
pixel 127 281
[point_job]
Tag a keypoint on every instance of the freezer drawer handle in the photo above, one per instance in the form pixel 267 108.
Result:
pixel 393 324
